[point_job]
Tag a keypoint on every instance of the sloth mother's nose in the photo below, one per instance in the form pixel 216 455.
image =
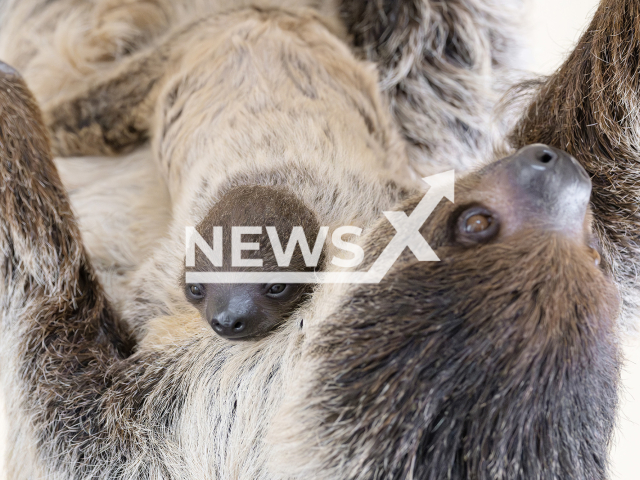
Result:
pixel 551 183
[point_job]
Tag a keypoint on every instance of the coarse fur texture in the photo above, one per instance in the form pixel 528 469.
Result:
pixel 441 64
pixel 59 44
pixel 284 69
pixel 508 368
pixel 442 67
pixel 123 210
pixel 499 361
pixel 589 108
pixel 75 331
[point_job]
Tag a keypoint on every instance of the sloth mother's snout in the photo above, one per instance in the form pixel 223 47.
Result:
pixel 552 184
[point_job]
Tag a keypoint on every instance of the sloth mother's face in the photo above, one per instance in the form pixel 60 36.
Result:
pixel 517 247
pixel 516 251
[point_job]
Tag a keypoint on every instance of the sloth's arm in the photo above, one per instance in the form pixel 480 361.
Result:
pixel 439 64
pixel 113 114
pixel 41 243
pixel 77 400
pixel 591 108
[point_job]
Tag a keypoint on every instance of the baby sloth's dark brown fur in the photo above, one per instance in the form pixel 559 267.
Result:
pixel 247 311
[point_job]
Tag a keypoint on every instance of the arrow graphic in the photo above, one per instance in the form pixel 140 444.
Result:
pixel 407 235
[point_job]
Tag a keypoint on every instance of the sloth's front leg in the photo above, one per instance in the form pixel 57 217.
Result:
pixel 49 295
pixel 39 239
pixel 74 393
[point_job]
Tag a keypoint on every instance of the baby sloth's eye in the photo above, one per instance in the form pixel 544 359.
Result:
pixel 477 224
pixel 277 290
pixel 195 291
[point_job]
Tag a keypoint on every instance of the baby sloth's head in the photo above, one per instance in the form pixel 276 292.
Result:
pixel 250 310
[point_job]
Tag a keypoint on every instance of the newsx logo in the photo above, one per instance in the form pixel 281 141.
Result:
pixel 407 235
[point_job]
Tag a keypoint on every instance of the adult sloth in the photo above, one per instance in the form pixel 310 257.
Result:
pixel 499 361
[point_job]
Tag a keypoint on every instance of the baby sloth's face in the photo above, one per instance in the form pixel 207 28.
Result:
pixel 245 311
pixel 251 310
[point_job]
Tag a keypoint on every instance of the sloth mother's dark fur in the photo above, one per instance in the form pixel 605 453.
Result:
pixel 503 364
pixel 74 373
pixel 420 47
pixel 589 109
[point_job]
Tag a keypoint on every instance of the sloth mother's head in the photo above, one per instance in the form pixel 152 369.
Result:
pixel 498 361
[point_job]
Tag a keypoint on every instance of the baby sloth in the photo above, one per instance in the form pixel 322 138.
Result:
pixel 251 310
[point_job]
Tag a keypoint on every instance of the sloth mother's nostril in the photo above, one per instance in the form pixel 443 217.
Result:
pixel 538 157
pixel 544 171
pixel 550 185
pixel 546 156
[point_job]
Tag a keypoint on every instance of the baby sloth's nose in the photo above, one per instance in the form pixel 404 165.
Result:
pixel 551 183
pixel 229 324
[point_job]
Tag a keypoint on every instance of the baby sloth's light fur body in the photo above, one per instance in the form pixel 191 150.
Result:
pixel 275 99
pixel 233 125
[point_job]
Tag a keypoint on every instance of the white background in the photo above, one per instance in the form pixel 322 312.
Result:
pixel 553 27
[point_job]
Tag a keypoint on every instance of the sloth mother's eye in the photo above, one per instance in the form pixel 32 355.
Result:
pixel 476 225
pixel 195 291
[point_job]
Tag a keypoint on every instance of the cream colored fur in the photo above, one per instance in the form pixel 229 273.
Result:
pixel 124 212
pixel 323 150
pixel 72 39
